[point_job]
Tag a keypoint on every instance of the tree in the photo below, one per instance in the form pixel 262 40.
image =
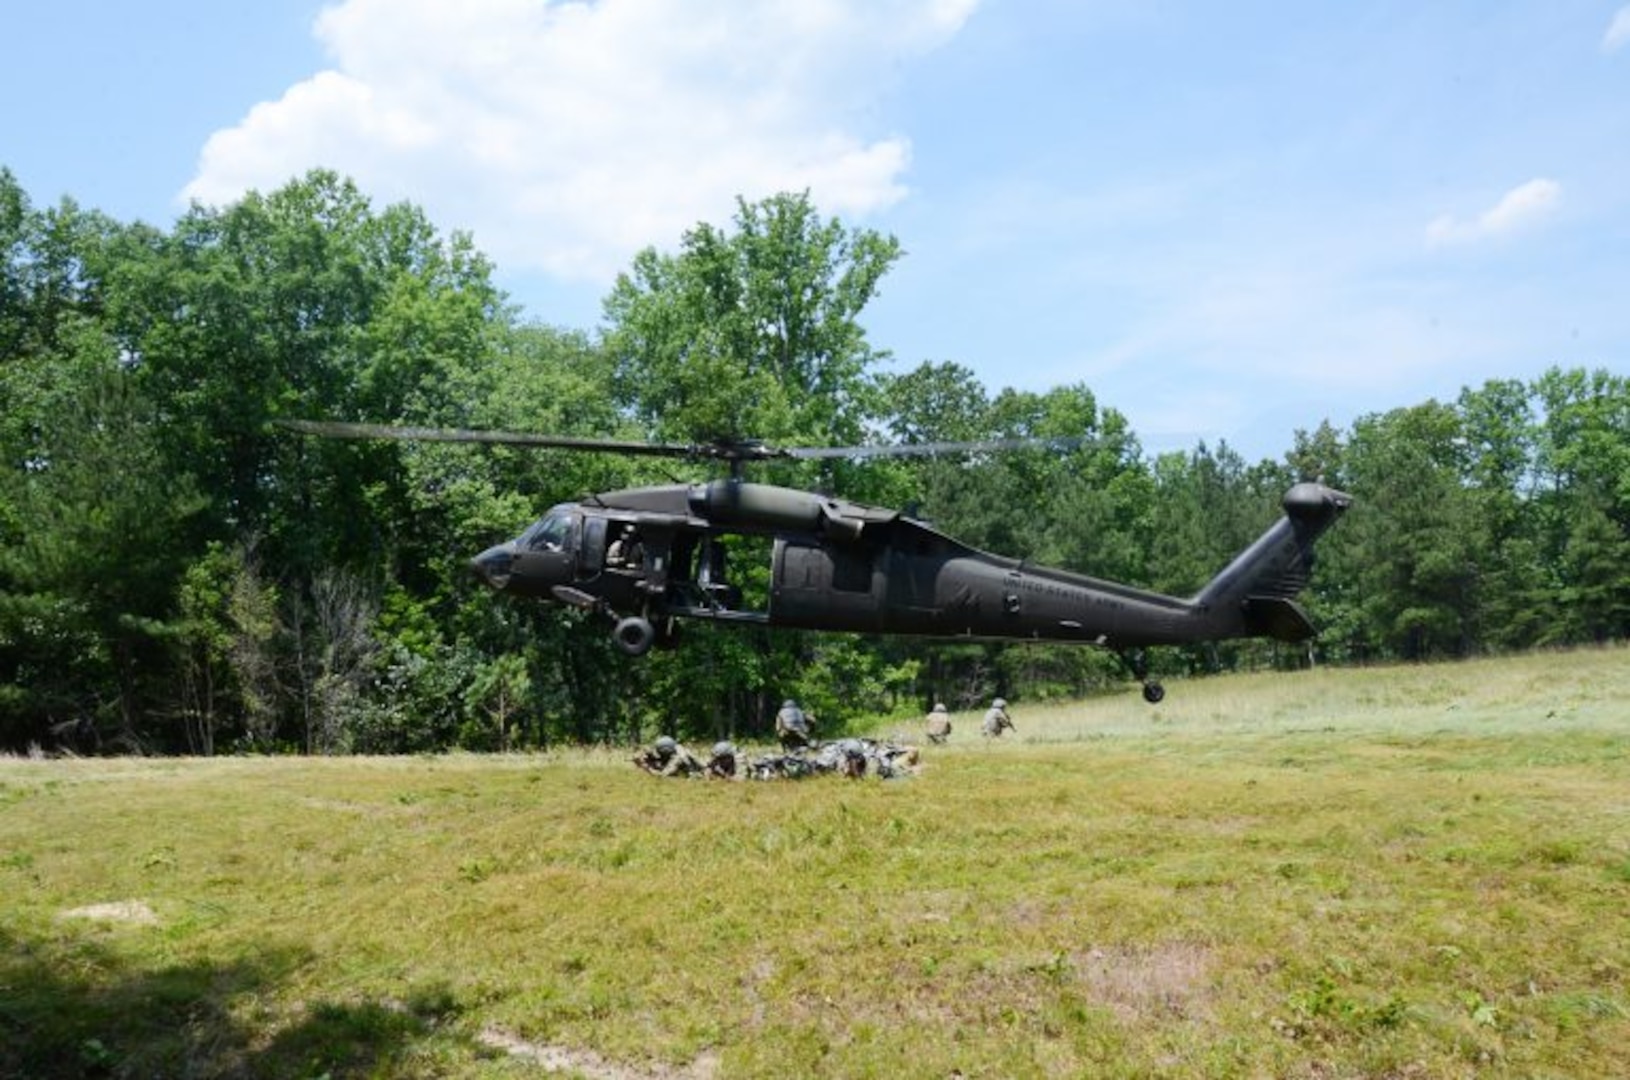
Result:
pixel 1583 501
pixel 91 526
pixel 753 332
pixel 86 592
pixel 335 651
pixel 500 688
pixel 1516 606
pixel 1415 532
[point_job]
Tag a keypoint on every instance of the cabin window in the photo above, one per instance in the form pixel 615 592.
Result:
pixel 851 571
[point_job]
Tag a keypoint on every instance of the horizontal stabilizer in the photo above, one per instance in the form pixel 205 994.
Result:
pixel 1276 617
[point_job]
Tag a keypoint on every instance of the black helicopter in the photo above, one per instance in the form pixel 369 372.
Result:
pixel 646 557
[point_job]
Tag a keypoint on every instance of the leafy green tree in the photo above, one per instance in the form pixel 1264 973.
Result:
pixel 334 659
pixel 204 640
pixel 15 212
pixel 1596 570
pixel 1319 455
pixel 87 603
pixel 301 303
pixel 1206 507
pixel 753 332
pixel 1082 503
pixel 942 402
pixel 1517 607
pixel 67 406
pixel 1415 531
pixel 500 689
pixel 1582 465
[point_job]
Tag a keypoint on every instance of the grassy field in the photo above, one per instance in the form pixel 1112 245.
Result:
pixel 1401 872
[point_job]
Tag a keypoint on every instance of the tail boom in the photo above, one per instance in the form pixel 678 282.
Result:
pixel 1254 596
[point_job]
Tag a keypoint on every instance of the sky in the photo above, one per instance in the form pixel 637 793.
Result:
pixel 1230 222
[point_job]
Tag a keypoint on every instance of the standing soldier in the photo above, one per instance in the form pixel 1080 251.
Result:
pixel 792 726
pixel 997 720
pixel 667 758
pixel 939 723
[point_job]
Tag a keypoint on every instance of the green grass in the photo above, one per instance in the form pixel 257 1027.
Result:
pixel 1409 872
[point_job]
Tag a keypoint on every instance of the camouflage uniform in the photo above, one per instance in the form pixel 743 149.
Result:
pixel 792 726
pixel 852 758
pixel 666 757
pixel 996 720
pixel 894 760
pixel 781 767
pixel 939 724
pixel 723 765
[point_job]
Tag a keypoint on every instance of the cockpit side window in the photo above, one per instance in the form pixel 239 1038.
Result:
pixel 550 534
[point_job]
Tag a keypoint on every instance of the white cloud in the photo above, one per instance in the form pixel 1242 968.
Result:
pixel 1618 31
pixel 566 135
pixel 1518 208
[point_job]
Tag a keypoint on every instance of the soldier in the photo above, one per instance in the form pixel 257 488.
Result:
pixel 997 720
pixel 626 551
pixel 792 726
pixel 781 767
pixel 723 765
pixel 852 758
pixel 667 757
pixel 939 724
pixel 766 767
pixel 895 760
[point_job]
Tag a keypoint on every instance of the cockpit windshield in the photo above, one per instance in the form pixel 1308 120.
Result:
pixel 550 534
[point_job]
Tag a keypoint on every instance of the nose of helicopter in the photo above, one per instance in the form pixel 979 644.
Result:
pixel 493 565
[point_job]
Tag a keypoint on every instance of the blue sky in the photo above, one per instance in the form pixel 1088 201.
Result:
pixel 1229 221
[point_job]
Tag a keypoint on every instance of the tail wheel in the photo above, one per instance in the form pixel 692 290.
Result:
pixel 1153 693
pixel 634 635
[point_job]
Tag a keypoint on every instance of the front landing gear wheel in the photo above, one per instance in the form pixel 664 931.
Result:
pixel 1153 693
pixel 634 635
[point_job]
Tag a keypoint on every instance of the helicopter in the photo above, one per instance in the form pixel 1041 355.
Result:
pixel 645 558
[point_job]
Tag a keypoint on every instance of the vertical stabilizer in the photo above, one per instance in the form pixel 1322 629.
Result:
pixel 1254 596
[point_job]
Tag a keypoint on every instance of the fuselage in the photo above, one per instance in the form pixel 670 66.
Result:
pixel 842 566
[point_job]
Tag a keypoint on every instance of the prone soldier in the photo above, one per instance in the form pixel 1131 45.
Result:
pixel 666 757
pixel 725 763
pixel 895 760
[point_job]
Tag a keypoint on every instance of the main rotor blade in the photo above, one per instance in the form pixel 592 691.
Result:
pixel 722 450
pixel 986 446
pixel 338 429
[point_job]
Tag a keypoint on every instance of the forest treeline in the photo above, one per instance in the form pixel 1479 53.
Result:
pixel 179 574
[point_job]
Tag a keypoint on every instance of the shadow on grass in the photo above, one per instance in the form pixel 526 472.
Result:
pixel 79 1009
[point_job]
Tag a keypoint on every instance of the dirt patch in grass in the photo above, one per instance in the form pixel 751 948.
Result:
pixel 1142 983
pixel 122 911
pixel 586 1063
